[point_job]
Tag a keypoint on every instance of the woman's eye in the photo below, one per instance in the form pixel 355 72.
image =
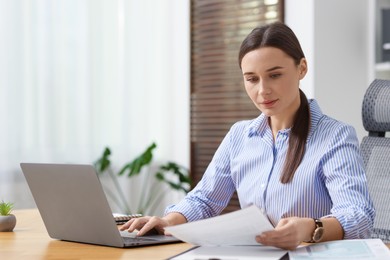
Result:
pixel 275 76
pixel 251 79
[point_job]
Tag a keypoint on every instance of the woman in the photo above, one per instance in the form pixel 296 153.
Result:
pixel 301 167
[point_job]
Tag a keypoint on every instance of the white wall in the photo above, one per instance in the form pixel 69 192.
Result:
pixel 334 36
pixel 299 15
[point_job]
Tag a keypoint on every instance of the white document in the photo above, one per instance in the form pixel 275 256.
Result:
pixel 232 253
pixel 363 249
pixel 235 228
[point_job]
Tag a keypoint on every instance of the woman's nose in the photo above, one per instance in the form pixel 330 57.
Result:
pixel 262 88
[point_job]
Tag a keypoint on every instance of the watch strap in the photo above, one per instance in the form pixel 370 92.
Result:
pixel 318 231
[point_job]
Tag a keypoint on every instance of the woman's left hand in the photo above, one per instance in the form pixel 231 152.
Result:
pixel 289 233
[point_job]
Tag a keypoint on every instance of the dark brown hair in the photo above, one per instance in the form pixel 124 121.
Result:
pixel 279 35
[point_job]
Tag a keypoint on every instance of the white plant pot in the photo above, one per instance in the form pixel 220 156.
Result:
pixel 7 223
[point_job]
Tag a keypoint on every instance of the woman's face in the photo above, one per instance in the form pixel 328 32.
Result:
pixel 271 80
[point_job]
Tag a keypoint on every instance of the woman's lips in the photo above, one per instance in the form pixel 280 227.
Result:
pixel 268 103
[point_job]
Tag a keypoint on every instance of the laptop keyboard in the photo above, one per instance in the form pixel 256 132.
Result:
pixel 131 239
pixel 137 240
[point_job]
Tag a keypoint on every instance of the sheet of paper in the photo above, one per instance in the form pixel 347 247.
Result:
pixel 235 228
pixel 364 249
pixel 232 253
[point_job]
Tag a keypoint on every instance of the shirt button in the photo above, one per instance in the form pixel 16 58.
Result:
pixel 262 186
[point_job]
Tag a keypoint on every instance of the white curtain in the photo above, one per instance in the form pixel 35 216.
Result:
pixel 79 75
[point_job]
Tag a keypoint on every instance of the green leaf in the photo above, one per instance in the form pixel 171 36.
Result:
pixel 135 167
pixel 6 208
pixel 104 162
pixel 181 173
pixel 159 176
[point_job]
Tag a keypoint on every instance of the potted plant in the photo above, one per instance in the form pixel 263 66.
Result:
pixel 169 175
pixel 7 220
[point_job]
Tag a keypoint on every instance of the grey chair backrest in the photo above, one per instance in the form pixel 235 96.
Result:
pixel 376 153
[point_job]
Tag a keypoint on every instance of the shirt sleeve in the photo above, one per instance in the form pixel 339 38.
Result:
pixel 346 182
pixel 213 192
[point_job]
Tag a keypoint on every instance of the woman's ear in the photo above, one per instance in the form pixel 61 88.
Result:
pixel 302 68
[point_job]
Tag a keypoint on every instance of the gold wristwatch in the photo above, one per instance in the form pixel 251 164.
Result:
pixel 318 231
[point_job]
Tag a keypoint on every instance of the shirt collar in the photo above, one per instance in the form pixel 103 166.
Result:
pixel 260 124
pixel 315 116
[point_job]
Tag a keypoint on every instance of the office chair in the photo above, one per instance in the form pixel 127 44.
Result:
pixel 376 153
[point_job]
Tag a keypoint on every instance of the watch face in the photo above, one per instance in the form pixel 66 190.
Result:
pixel 318 233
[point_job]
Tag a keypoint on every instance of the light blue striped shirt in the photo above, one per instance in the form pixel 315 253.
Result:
pixel 330 181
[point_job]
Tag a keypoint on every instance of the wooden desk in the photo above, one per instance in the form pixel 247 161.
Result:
pixel 31 241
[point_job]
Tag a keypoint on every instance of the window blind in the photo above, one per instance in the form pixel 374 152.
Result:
pixel 218 97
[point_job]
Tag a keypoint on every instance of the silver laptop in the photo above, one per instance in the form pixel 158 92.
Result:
pixel 74 207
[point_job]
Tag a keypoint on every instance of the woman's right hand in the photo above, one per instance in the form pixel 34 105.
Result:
pixel 147 223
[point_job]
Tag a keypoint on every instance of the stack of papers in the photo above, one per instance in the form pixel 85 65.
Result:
pixel 357 249
pixel 236 228
pixel 232 237
pixel 233 253
pixel 362 249
pixel 227 237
